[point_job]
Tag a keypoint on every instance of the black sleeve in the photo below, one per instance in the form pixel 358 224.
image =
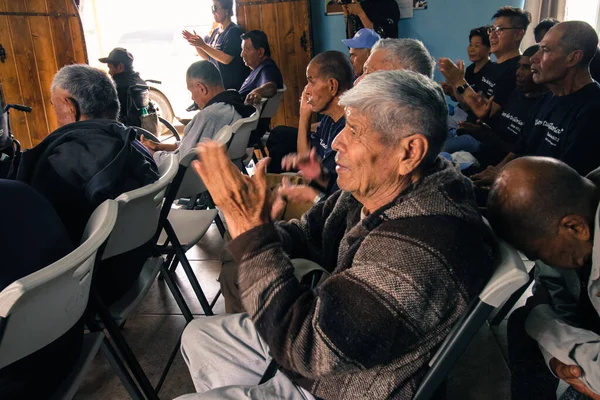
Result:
pixel 520 148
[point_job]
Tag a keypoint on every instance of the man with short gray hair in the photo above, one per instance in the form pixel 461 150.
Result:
pixel 398 54
pixel 65 166
pixel 403 241
pixel 219 107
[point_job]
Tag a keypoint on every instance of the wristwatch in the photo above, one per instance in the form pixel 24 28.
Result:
pixel 461 89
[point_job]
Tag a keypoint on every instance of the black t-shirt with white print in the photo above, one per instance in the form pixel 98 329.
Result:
pixel 566 128
pixel 499 80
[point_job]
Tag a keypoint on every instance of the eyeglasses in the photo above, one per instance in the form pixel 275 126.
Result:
pixel 215 8
pixel 498 29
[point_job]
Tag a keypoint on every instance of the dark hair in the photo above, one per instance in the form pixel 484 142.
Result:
pixel 259 41
pixel 519 18
pixel 531 50
pixel 336 65
pixel 545 25
pixel 206 72
pixel 227 5
pixel 482 33
pixel 579 35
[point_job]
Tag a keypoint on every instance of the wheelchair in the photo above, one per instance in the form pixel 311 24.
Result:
pixel 10 148
pixel 139 103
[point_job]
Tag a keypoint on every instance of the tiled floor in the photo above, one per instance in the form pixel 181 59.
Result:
pixel 154 330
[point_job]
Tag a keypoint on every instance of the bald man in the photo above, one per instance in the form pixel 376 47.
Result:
pixel 564 124
pixel 546 209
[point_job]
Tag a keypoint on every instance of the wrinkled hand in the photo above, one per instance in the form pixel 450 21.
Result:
pixel 305 108
pixel 485 177
pixel 572 374
pixel 254 97
pixel 309 165
pixel 448 89
pixel 297 193
pixel 244 200
pixel 193 38
pixel 149 144
pixel 453 73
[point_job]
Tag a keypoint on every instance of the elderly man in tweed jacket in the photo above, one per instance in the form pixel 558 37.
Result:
pixel 403 240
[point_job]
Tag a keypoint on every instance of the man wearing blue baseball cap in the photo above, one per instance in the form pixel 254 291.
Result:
pixel 360 48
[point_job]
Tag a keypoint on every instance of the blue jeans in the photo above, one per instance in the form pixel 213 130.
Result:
pixel 456 143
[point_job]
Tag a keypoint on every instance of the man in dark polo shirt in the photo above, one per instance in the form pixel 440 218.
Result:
pixel 498 81
pixel 263 81
pixel 564 124
pixel 265 78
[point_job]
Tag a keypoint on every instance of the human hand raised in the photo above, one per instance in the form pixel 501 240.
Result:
pixel 305 108
pixel 245 201
pixel 308 165
pixel 452 72
pixel 193 38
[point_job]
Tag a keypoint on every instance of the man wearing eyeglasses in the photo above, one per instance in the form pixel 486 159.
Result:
pixel 499 81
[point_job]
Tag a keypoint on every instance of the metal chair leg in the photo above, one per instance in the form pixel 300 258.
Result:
pixel 187 268
pixel 126 379
pixel 185 310
pixel 117 338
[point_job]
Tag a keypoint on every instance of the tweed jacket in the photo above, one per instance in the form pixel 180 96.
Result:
pixel 401 277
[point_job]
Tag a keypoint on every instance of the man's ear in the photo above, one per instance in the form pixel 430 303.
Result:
pixel 519 34
pixel 414 149
pixel 262 52
pixel 203 88
pixel 333 86
pixel 574 58
pixel 575 226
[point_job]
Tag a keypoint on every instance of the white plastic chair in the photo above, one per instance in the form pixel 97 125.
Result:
pixel 509 275
pixel 41 307
pixel 272 104
pixel 182 228
pixel 242 128
pixel 137 223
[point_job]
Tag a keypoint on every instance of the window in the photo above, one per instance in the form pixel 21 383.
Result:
pixel 583 10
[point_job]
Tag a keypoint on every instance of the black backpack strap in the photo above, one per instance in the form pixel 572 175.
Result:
pixel 98 188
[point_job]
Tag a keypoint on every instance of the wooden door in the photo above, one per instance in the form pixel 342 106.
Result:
pixel 38 37
pixel 287 25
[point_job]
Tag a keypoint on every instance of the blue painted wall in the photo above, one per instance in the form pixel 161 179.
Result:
pixel 444 27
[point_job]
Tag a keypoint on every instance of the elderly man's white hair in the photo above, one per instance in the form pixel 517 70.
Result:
pixel 399 104
pixel 92 89
pixel 410 54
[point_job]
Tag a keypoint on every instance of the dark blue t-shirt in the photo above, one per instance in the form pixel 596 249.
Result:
pixel 565 128
pixel 266 72
pixel 229 42
pixel 327 131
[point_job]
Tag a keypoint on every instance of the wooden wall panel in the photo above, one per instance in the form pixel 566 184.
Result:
pixel 39 36
pixel 285 22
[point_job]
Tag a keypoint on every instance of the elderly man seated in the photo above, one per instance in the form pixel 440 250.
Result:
pixel 65 166
pixel 547 210
pixel 219 107
pixel 359 48
pixel 403 241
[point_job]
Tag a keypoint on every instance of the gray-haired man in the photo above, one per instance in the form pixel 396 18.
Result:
pixel 403 241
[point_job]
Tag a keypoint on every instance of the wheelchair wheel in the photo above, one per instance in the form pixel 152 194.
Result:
pixel 169 132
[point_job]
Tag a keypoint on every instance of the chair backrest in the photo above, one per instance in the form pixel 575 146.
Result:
pixel 139 211
pixel 509 275
pixel 242 128
pixel 41 307
pixel 272 104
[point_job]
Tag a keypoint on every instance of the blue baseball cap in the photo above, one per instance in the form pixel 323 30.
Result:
pixel 363 39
